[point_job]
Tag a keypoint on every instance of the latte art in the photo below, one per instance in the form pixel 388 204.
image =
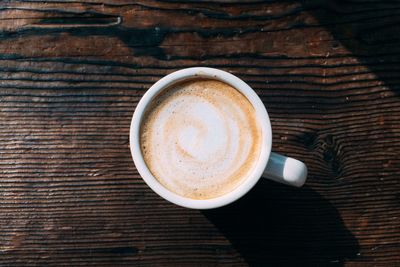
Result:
pixel 200 138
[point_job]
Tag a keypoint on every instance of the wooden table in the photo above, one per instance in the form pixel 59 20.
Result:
pixel 72 73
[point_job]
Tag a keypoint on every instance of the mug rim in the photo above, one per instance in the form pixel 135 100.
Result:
pixel 261 115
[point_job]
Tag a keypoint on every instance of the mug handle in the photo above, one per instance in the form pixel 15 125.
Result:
pixel 285 170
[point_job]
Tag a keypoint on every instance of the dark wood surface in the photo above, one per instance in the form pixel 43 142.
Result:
pixel 72 72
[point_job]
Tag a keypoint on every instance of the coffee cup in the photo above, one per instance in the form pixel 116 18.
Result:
pixel 251 126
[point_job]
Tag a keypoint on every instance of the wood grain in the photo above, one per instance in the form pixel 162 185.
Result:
pixel 72 73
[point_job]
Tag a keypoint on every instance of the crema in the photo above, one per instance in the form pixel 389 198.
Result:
pixel 200 138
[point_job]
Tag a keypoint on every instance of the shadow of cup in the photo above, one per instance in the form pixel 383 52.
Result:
pixel 279 225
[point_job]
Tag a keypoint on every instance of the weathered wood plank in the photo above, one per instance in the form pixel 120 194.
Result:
pixel 72 72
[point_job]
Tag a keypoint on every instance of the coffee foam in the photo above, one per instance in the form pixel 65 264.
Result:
pixel 200 138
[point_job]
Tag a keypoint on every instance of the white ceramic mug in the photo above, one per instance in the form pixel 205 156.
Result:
pixel 270 165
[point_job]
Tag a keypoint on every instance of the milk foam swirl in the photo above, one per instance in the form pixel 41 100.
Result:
pixel 200 138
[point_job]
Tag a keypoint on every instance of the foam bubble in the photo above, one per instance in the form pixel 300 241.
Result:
pixel 200 138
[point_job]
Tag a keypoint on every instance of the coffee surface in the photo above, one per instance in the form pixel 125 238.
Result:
pixel 200 138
